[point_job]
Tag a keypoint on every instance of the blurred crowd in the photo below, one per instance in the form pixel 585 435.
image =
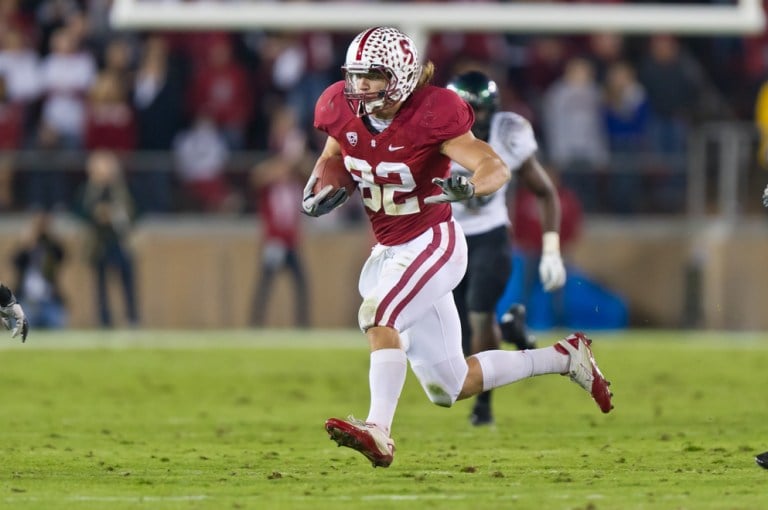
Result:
pixel 189 115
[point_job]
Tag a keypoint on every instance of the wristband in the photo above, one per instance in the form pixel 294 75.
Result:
pixel 550 242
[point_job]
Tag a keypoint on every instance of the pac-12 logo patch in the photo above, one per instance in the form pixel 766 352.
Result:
pixel 352 138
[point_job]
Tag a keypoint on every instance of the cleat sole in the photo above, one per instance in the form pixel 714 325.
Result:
pixel 336 431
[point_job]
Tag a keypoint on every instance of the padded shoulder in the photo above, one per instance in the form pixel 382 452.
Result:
pixel 331 107
pixel 440 114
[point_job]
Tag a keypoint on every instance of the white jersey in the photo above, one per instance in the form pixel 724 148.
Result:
pixel 511 136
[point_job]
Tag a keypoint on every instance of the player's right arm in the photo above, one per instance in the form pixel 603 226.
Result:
pixel 533 176
pixel 551 268
pixel 323 202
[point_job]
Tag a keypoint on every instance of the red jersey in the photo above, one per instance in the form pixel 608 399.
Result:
pixel 394 169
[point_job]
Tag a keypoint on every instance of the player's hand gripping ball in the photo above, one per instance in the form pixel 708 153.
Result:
pixel 332 172
pixel 328 187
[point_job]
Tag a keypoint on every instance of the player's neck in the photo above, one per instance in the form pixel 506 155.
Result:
pixel 378 124
pixel 381 119
pixel 388 113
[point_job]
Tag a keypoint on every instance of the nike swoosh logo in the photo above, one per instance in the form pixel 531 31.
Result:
pixel 392 148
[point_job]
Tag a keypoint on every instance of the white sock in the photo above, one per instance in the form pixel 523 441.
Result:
pixel 386 378
pixel 504 367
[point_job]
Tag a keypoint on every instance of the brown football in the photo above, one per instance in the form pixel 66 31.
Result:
pixel 332 171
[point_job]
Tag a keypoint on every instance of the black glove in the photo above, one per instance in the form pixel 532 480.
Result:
pixel 12 315
pixel 323 202
pixel 455 188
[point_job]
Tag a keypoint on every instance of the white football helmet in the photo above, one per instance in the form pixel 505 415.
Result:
pixel 382 50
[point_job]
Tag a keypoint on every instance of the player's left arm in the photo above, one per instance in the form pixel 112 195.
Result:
pixel 489 172
pixel 551 268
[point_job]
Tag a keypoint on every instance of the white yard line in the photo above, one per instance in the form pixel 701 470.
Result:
pixel 213 339
pixel 321 339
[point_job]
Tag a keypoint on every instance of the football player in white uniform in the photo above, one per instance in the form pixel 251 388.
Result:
pixel 485 221
pixel 12 315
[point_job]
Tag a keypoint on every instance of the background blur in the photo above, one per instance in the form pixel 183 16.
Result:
pixel 153 178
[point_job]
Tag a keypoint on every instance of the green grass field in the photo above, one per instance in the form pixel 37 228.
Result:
pixel 234 419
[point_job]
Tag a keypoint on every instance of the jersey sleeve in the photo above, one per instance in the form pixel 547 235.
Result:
pixel 513 138
pixel 447 116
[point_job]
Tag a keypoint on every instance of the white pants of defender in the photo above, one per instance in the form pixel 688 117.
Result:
pixel 409 288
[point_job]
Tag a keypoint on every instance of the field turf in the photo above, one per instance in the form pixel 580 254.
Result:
pixel 234 420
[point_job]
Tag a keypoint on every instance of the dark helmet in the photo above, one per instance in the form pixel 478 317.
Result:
pixel 482 94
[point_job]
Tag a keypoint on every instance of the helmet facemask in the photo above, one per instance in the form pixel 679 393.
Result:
pixel 384 52
pixel 365 103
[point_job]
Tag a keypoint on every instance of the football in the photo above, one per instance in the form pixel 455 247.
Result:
pixel 332 171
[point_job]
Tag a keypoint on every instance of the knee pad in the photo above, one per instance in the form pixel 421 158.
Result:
pixel 442 382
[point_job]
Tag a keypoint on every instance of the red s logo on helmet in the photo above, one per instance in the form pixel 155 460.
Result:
pixel 405 45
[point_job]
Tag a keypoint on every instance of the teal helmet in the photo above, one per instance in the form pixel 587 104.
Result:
pixel 482 94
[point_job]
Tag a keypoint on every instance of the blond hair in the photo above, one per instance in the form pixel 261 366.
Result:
pixel 427 72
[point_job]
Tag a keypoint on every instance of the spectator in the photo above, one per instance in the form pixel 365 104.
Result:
pixel 158 101
pixel 201 155
pixel 51 15
pixel 20 66
pixel 447 48
pixel 107 207
pixel 220 89
pixel 278 184
pixel 303 66
pixel 625 113
pixel 546 59
pixel 118 60
pixel 605 49
pixel 38 262
pixel 286 137
pixel 15 17
pixel 11 120
pixel 673 83
pixel 11 133
pixel 109 120
pixel 67 74
pixel 574 131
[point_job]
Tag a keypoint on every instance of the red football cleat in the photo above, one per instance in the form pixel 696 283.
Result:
pixel 366 438
pixel 583 370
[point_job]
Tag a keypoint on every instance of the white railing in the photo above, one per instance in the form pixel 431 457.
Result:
pixel 732 144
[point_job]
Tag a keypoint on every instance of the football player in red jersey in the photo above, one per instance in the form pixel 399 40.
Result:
pixel 397 135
